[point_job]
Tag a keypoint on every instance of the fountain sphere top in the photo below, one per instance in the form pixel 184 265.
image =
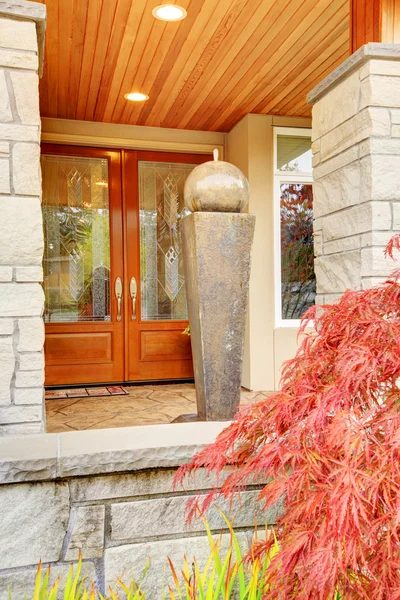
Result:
pixel 216 186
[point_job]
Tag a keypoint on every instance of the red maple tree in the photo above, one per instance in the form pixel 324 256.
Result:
pixel 328 443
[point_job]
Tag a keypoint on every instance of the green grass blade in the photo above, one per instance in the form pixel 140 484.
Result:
pixel 214 547
pixel 221 575
pixel 239 560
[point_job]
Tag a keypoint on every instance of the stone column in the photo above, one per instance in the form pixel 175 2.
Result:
pixel 21 232
pixel 356 147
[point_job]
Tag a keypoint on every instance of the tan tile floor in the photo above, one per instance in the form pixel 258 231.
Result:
pixel 145 405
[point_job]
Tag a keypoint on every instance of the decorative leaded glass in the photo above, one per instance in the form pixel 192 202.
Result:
pixel 161 206
pixel 77 239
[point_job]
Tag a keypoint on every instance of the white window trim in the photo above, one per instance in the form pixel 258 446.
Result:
pixel 284 177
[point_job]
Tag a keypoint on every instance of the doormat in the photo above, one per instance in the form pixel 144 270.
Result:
pixel 110 390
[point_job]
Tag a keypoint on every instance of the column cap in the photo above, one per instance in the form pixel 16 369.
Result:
pixel 25 10
pixel 351 64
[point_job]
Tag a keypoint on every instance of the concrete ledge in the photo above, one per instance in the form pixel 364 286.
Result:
pixel 28 11
pixel 54 456
pixel 356 60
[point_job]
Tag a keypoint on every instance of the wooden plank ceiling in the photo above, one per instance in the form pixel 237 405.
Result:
pixel 226 59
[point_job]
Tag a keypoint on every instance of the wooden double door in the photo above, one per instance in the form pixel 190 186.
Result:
pixel 115 304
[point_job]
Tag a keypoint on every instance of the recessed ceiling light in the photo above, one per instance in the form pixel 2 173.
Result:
pixel 169 12
pixel 136 96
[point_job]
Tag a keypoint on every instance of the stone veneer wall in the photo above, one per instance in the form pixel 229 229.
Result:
pixel 110 496
pixel 21 231
pixel 356 147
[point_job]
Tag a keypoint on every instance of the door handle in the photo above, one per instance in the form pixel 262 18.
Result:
pixel 133 293
pixel 118 294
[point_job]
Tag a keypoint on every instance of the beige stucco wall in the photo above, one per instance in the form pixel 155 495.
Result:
pixel 250 146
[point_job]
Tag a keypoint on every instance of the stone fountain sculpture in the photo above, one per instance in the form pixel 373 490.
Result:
pixel 217 241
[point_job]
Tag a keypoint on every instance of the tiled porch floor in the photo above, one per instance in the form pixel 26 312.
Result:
pixel 145 405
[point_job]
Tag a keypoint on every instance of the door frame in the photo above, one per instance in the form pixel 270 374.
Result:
pixel 125 260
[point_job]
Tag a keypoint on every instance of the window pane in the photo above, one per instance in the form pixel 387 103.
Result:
pixel 297 249
pixel 161 204
pixel 294 153
pixel 77 239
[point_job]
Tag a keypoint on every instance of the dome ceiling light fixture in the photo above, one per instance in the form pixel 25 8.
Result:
pixel 136 96
pixel 169 12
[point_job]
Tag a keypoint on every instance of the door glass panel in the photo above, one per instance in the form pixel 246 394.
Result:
pixel 161 206
pixel 297 249
pixel 77 239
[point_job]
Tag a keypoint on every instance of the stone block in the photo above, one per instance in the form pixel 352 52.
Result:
pixel 357 219
pixel 4 149
pixel 395 116
pixel 330 299
pixel 29 378
pixel 29 274
pixel 21 299
pixel 318 243
pixel 19 133
pixel 125 561
pixel 35 526
pixel 375 238
pixel 86 532
pixel 217 262
pixel 338 272
pixel 21 239
pixel 5 176
pixel 22 581
pixel 380 67
pixel 6 326
pixel 32 459
pixel 374 263
pixel 342 245
pixel 5 108
pixel 379 146
pixel 370 122
pixel 18 60
pixel 29 395
pixel 18 429
pixel 368 282
pixel 5 274
pixel 31 361
pixel 337 190
pixel 145 483
pixel 5 395
pixel 31 335
pixel 396 216
pixel 19 35
pixel 20 414
pixel 26 169
pixel 167 516
pixel 316 159
pixel 7 362
pixel 26 92
pixel 133 449
pixel 380 91
pixel 377 181
pixel 337 162
pixel 336 107
pixel 396 131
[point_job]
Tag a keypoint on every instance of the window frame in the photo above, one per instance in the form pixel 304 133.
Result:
pixel 279 178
